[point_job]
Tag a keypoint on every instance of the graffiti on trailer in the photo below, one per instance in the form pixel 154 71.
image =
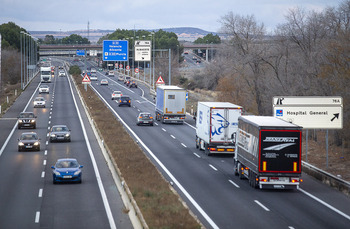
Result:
pixel 219 123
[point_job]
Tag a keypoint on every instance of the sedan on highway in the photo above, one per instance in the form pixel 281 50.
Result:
pixel 144 118
pixel 29 141
pixel 116 95
pixel 60 133
pixel 104 82
pixel 44 89
pixel 67 170
pixel 39 102
pixel 61 73
pixel 93 77
pixel 124 100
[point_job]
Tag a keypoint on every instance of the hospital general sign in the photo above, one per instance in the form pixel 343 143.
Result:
pixel 115 50
pixel 310 112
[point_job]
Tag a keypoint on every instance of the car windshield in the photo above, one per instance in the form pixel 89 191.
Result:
pixel 145 115
pixel 39 99
pixel 26 115
pixel 44 86
pixel 126 98
pixel 29 137
pixel 59 128
pixel 67 164
pixel 116 92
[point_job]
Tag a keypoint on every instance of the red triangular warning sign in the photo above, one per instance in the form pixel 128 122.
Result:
pixel 160 80
pixel 86 79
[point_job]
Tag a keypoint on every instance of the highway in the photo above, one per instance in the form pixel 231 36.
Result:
pixel 208 185
pixel 28 198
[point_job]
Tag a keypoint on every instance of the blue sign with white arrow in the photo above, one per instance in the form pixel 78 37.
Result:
pixel 115 50
pixel 80 52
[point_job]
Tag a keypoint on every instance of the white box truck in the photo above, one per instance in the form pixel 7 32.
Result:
pixel 171 104
pixel 217 124
pixel 45 73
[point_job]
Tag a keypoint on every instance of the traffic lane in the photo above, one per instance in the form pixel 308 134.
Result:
pixel 20 175
pixel 211 190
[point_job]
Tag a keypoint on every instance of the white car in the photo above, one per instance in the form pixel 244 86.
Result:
pixel 44 89
pixel 39 102
pixel 116 95
pixel 61 73
pixel 93 77
pixel 120 77
pixel 104 82
pixel 111 73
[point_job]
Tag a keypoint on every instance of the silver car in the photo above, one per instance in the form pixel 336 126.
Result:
pixel 44 89
pixel 39 102
pixel 59 133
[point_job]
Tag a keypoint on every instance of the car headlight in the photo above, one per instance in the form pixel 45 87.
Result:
pixel 77 172
pixel 56 173
pixel 36 143
pixel 33 121
pixel 67 135
pixel 20 144
pixel 20 121
pixel 53 135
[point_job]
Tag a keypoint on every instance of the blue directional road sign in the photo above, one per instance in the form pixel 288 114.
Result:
pixel 80 52
pixel 115 50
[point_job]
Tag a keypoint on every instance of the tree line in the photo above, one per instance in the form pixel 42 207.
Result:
pixel 307 55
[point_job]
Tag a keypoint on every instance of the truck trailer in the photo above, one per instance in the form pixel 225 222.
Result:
pixel 45 74
pixel 268 152
pixel 171 104
pixel 216 127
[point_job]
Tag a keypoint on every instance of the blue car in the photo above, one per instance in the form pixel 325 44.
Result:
pixel 67 170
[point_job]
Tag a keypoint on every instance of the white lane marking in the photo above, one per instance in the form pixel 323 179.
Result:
pixel 50 117
pixel 50 112
pixel 190 125
pixel 37 217
pixel 183 145
pixel 171 176
pixel 40 193
pixel 94 164
pixel 47 134
pixel 45 152
pixel 156 123
pixel 163 129
pixel 49 122
pixel 42 174
pixel 48 127
pixel 51 109
pixel 325 204
pixel 197 155
pixel 261 205
pixel 237 186
pixel 213 167
pixel 15 126
pixel 290 227
pixel 138 110
pixel 44 162
pixel 47 142
pixel 172 136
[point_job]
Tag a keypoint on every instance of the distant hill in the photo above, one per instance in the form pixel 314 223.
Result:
pixel 183 33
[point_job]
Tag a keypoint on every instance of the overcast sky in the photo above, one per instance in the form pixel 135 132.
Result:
pixel 67 15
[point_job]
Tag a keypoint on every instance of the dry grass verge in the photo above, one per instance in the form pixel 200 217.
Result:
pixel 161 208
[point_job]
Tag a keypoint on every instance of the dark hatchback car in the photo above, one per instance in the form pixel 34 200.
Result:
pixel 124 100
pixel 60 133
pixel 144 118
pixel 67 170
pixel 26 119
pixel 29 141
pixel 132 84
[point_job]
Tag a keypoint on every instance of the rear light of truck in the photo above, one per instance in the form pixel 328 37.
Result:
pixel 231 150
pixel 221 150
pixel 294 180
pixel 263 179
pixel 212 149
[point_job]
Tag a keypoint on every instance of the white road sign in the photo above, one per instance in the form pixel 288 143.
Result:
pixel 143 50
pixel 310 112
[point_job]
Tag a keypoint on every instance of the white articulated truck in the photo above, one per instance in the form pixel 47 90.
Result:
pixel 268 152
pixel 171 104
pixel 45 73
pixel 217 124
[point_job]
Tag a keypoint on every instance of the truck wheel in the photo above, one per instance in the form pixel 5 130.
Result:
pixel 240 175
pixel 235 168
pixel 197 143
pixel 206 150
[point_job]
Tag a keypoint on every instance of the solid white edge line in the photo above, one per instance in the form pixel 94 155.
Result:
pixel 97 173
pixel 261 205
pixel 37 217
pixel 171 176
pixel 14 127
pixel 236 185
pixel 325 204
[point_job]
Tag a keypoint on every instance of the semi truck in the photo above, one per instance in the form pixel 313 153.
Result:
pixel 216 127
pixel 45 73
pixel 268 152
pixel 171 104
